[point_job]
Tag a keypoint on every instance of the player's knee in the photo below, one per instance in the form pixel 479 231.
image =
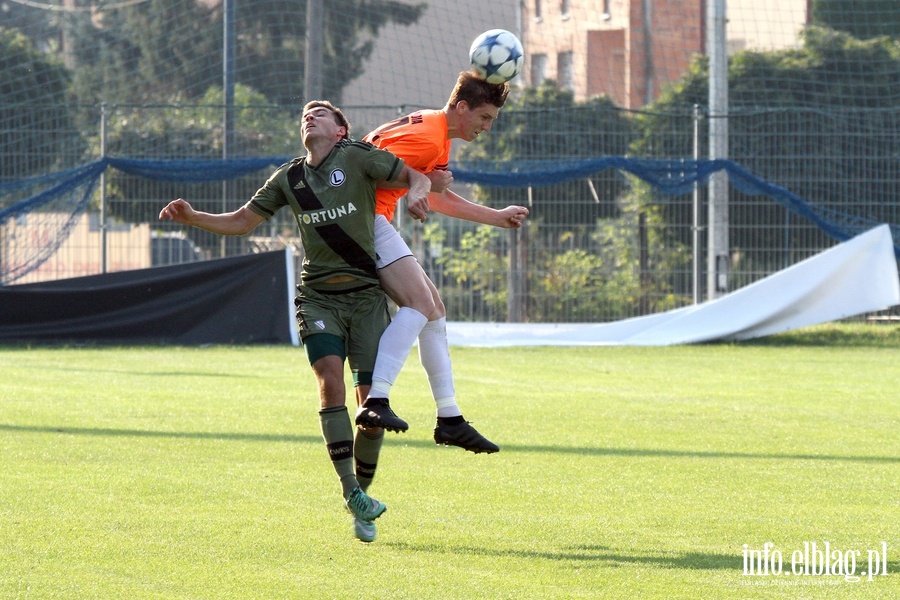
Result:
pixel 428 306
pixel 419 302
pixel 331 394
pixel 439 311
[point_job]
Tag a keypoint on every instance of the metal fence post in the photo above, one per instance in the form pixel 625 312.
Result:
pixel 718 255
pixel 104 116
pixel 517 276
pixel 695 225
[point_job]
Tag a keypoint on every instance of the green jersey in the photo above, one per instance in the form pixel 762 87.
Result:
pixel 334 204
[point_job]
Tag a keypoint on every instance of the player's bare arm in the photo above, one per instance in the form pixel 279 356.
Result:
pixel 453 205
pixel 417 197
pixel 440 179
pixel 239 222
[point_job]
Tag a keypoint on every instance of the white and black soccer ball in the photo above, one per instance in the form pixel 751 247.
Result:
pixel 497 55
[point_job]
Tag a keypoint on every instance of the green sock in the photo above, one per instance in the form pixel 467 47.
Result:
pixel 338 433
pixel 366 451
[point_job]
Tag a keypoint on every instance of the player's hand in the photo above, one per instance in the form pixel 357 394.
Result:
pixel 512 217
pixel 177 210
pixel 417 206
pixel 440 180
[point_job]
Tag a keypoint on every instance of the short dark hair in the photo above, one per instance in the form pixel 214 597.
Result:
pixel 339 117
pixel 475 91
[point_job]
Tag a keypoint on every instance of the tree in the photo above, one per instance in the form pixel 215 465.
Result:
pixel 35 21
pixel 478 267
pixel 584 237
pixel 36 129
pixel 819 120
pixel 145 53
pixel 272 54
pixel 545 123
pixel 193 131
pixel 862 19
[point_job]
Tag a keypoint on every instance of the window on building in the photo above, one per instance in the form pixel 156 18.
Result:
pixel 565 70
pixel 606 13
pixel 537 9
pixel 564 7
pixel 538 69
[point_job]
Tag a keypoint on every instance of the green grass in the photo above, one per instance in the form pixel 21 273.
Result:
pixel 172 472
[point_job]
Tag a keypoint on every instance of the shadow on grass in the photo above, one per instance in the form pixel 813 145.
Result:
pixel 660 452
pixel 856 335
pixel 198 435
pixel 150 373
pixel 601 555
pixel 595 555
pixel 417 443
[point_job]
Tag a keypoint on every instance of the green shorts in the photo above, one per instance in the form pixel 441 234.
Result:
pixel 357 318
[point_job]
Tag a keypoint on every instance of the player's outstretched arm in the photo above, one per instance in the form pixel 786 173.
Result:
pixel 239 222
pixel 453 205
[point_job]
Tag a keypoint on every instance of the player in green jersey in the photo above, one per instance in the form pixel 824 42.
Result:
pixel 341 310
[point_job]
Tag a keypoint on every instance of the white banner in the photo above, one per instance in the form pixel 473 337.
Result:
pixel 855 277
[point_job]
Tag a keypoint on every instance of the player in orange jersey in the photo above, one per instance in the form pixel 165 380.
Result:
pixel 423 140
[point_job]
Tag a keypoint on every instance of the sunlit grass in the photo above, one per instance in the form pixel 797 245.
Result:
pixel 624 473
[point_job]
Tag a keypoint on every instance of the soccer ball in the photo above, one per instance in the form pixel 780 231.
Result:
pixel 497 56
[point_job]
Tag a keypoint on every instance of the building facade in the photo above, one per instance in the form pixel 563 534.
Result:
pixel 631 49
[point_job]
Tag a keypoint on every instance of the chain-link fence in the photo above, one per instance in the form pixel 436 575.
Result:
pixel 596 248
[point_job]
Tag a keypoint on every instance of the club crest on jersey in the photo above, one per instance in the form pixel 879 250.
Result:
pixel 337 178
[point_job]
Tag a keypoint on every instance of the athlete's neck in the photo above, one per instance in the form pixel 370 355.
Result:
pixel 317 150
pixel 452 122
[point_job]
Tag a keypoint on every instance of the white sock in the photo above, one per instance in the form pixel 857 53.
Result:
pixel 393 350
pixel 434 353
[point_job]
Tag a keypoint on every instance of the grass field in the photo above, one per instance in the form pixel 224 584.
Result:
pixel 172 472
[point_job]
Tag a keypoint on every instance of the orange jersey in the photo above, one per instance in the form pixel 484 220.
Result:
pixel 421 139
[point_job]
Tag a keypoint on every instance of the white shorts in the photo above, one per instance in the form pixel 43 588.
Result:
pixel 389 244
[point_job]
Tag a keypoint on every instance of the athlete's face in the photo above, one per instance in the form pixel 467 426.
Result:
pixel 473 121
pixel 320 123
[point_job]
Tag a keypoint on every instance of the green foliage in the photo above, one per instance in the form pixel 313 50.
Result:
pixel 195 129
pixel 146 53
pixel 665 128
pixel 795 117
pixel 584 249
pixel 545 123
pixel 478 267
pixel 192 130
pixel 272 54
pixel 573 275
pixel 830 70
pixel 640 288
pixel 34 113
pixel 143 54
pixel 260 129
pixel 572 284
pixel 351 31
pixel 862 19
